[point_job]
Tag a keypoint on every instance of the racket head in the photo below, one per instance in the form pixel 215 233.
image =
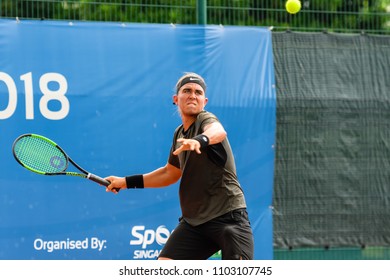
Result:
pixel 40 154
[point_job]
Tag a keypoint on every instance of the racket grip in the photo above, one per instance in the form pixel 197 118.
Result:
pixel 98 179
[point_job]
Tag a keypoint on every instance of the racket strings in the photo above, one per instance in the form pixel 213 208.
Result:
pixel 40 155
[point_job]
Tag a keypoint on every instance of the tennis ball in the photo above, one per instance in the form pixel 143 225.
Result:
pixel 293 6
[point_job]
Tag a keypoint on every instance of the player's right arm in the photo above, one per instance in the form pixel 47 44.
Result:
pixel 161 177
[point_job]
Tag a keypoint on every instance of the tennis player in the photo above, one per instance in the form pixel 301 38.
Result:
pixel 214 215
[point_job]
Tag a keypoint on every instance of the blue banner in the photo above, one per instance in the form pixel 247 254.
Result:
pixel 103 92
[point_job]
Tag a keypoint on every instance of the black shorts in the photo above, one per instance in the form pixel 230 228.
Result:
pixel 231 233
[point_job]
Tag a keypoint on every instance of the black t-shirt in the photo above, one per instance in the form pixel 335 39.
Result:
pixel 209 186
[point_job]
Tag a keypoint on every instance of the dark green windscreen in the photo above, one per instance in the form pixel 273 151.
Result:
pixel 332 169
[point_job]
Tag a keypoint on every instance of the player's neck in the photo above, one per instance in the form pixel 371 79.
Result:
pixel 187 121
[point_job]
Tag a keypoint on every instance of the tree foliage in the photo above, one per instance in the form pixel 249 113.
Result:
pixel 336 15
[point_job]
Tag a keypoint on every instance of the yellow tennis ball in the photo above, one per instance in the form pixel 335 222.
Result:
pixel 293 6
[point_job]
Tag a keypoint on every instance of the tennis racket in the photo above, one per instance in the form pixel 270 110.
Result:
pixel 43 156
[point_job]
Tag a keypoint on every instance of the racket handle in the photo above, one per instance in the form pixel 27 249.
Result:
pixel 98 179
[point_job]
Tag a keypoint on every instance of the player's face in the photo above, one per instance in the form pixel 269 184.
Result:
pixel 191 99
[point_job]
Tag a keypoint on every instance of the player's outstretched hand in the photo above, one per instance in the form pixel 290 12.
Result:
pixel 187 145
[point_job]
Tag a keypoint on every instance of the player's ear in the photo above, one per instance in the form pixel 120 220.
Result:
pixel 174 99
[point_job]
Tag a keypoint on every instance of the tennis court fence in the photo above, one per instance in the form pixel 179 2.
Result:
pixel 316 15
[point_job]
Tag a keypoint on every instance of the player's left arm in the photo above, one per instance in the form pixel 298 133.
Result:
pixel 215 134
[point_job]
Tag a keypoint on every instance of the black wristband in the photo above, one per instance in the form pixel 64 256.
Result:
pixel 202 139
pixel 135 182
